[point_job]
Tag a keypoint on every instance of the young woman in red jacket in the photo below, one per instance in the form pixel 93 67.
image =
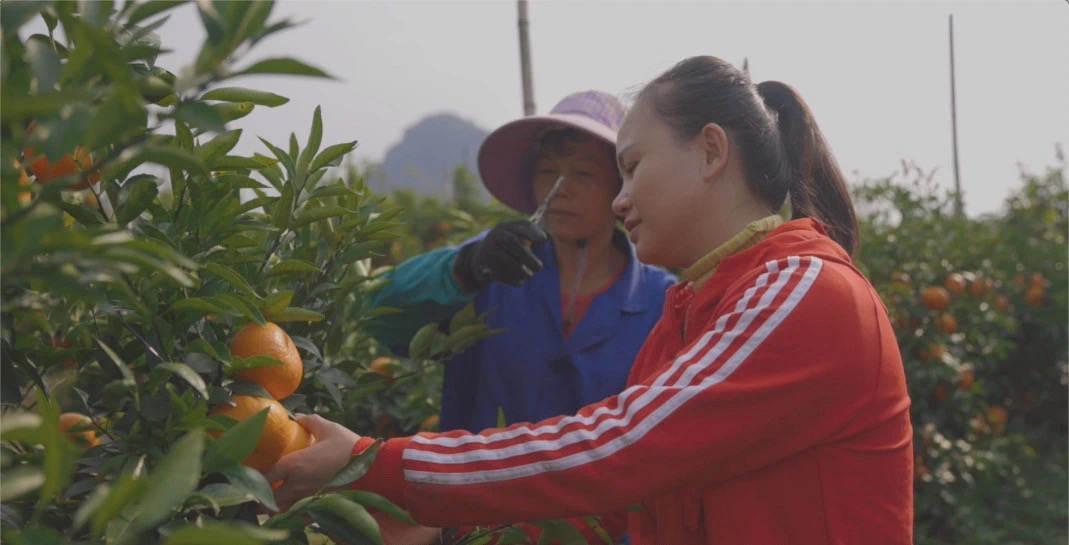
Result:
pixel 769 403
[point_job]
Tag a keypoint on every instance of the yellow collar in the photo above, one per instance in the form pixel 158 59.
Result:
pixel 704 268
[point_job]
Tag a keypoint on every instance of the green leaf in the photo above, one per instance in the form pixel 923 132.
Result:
pixel 134 197
pixel 19 481
pixel 241 94
pixel 356 468
pixel 419 347
pixel 283 212
pixel 187 374
pixel 235 444
pixel 95 500
pixel 351 519
pixel 222 495
pixel 252 482
pixel 378 503
pixel 512 536
pixel 315 138
pixel 293 314
pixel 201 116
pixel 283 65
pixel 313 214
pixel 230 276
pixel 502 420
pixel 148 9
pixel 276 302
pixel 232 111
pixel 125 490
pixel 292 266
pixel 333 153
pixel 230 533
pixel 170 157
pixel 81 213
pixel 236 162
pixel 171 482
pixel 127 375
pixel 204 305
pixel 465 317
pixel 14 421
pixel 283 158
pixel 220 145
pixel 250 310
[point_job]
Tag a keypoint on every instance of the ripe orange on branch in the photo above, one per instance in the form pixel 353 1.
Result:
pixel 955 282
pixel 278 429
pixel 86 437
pixel 269 340
pixel 74 163
pixel 935 297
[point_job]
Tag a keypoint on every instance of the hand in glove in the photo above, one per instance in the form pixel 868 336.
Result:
pixel 504 255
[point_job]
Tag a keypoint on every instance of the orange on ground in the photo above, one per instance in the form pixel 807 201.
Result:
pixel 85 438
pixel 269 340
pixel 46 171
pixel 966 379
pixel 278 429
pixel 935 297
pixel 430 423
pixel 948 323
pixel 383 365
pixel 955 282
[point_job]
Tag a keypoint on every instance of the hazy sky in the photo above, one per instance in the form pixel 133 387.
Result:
pixel 876 74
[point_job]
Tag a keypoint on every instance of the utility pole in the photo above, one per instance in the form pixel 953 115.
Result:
pixel 525 60
pixel 959 207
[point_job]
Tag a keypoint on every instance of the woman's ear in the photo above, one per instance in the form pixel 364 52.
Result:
pixel 715 147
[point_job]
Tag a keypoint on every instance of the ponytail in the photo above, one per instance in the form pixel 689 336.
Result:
pixel 816 188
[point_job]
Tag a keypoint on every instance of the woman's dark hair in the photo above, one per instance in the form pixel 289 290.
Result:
pixel 783 150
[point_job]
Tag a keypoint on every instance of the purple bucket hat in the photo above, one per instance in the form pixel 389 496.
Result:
pixel 506 157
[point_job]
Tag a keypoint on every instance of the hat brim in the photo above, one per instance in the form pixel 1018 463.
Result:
pixel 506 157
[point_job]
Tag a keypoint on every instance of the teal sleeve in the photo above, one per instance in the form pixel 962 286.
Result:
pixel 424 291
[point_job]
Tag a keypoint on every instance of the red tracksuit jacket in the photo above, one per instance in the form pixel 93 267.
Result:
pixel 768 406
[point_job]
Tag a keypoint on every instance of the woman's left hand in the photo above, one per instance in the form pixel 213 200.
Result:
pixel 306 471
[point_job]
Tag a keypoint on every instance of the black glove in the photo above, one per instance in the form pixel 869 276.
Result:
pixel 504 255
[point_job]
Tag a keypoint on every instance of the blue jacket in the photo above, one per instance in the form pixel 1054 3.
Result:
pixel 530 370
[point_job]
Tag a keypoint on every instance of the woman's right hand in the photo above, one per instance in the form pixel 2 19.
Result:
pixel 503 255
pixel 306 471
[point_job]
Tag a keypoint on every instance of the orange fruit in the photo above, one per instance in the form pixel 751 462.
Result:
pixel 384 366
pixel 997 416
pixel 934 352
pixel 980 286
pixel 900 279
pixel 941 393
pixel 1002 303
pixel 69 164
pixel 1034 295
pixel 966 379
pixel 955 282
pixel 278 430
pixel 85 438
pixel 1038 280
pixel 948 323
pixel 935 297
pixel 302 439
pixel 429 424
pixel 25 195
pixel 269 340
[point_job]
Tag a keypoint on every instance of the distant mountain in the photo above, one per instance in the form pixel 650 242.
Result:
pixel 427 154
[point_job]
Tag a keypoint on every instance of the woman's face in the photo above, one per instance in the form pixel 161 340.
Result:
pixel 582 207
pixel 662 198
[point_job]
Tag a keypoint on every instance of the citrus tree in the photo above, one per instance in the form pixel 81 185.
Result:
pixel 979 307
pixel 167 302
